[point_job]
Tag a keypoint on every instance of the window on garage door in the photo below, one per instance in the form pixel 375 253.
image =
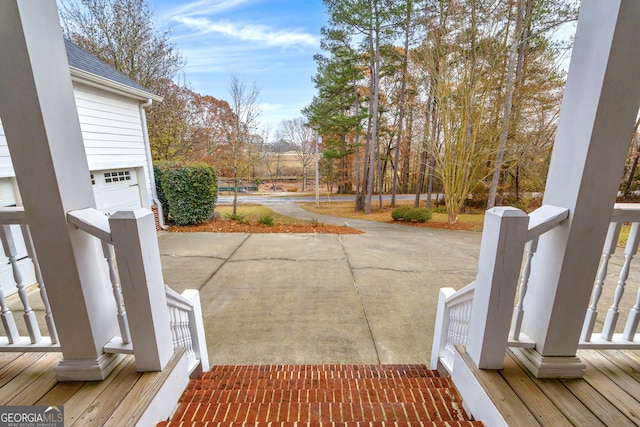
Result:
pixel 116 190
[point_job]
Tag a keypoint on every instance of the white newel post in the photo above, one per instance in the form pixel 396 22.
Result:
pixel 599 109
pixel 40 120
pixel 504 236
pixel 138 257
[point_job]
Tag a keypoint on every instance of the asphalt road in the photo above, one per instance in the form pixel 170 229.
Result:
pixel 289 198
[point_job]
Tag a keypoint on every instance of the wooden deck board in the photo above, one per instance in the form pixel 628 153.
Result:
pixel 145 389
pixel 512 409
pixel 612 383
pixel 26 372
pixel 608 395
pixel 597 403
pixel 103 404
pixel 28 379
pixel 568 404
pixel 43 379
pixel 540 406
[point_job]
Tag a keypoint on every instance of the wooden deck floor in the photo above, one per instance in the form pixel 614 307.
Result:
pixel 27 379
pixel 608 395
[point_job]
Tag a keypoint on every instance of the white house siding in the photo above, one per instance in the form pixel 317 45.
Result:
pixel 112 132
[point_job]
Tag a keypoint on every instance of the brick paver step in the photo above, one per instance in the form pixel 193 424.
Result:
pixel 321 383
pixel 312 413
pixel 318 371
pixel 386 395
pixel 320 395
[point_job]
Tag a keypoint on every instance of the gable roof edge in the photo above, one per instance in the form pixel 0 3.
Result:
pixel 94 80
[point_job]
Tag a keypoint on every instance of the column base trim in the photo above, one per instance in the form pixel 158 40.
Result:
pixel 550 366
pixel 87 369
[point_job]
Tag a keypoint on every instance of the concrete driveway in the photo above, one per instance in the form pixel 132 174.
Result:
pixel 318 298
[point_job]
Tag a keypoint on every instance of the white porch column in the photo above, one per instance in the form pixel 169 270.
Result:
pixel 594 132
pixel 504 236
pixel 39 116
pixel 143 288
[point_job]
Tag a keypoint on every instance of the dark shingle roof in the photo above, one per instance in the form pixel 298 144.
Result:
pixel 83 60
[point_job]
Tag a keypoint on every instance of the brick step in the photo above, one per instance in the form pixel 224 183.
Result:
pixel 385 395
pixel 318 371
pixel 334 424
pixel 312 413
pixel 322 383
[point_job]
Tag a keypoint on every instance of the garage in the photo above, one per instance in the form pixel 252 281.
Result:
pixel 116 190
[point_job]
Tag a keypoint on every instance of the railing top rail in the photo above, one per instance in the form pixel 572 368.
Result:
pixel 544 219
pixel 12 215
pixel 626 212
pixel 174 299
pixel 91 221
pixel 463 294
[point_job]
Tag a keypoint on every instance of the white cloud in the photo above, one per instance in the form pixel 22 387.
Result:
pixel 250 32
pixel 205 7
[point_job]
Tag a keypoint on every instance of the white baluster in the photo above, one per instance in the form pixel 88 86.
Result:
pixel 186 343
pixel 8 321
pixel 108 252
pixel 518 312
pixel 48 317
pixel 174 330
pixel 608 250
pixel 630 250
pixel 29 315
pixel 631 327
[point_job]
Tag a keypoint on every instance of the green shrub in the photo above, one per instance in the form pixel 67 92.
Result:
pixel 398 213
pixel 407 213
pixel 266 220
pixel 418 215
pixel 190 190
pixel 238 217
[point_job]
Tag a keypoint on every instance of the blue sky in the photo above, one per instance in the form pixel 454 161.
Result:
pixel 271 42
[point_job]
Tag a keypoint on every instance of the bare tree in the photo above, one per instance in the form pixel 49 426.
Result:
pixel 124 34
pixel 273 161
pixel 244 103
pixel 301 138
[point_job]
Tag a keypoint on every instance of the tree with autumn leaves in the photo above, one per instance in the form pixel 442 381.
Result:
pixel 457 97
pixel 185 125
pixel 461 95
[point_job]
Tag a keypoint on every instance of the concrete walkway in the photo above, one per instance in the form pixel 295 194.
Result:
pixel 320 298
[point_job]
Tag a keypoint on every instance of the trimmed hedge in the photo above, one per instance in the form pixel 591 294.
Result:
pixel 190 191
pixel 398 213
pixel 406 213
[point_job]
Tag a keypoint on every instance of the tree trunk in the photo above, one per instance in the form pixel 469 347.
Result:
pixel 401 106
pixel 508 100
pixel 374 116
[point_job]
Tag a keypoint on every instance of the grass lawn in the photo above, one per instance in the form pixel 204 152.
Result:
pixel 468 221
pixel 250 213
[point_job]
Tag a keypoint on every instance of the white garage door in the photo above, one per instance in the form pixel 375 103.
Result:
pixel 116 190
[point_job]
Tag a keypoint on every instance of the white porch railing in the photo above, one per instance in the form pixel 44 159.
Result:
pixel 613 334
pixel 10 220
pixel 187 328
pixel 490 324
pixel 185 314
